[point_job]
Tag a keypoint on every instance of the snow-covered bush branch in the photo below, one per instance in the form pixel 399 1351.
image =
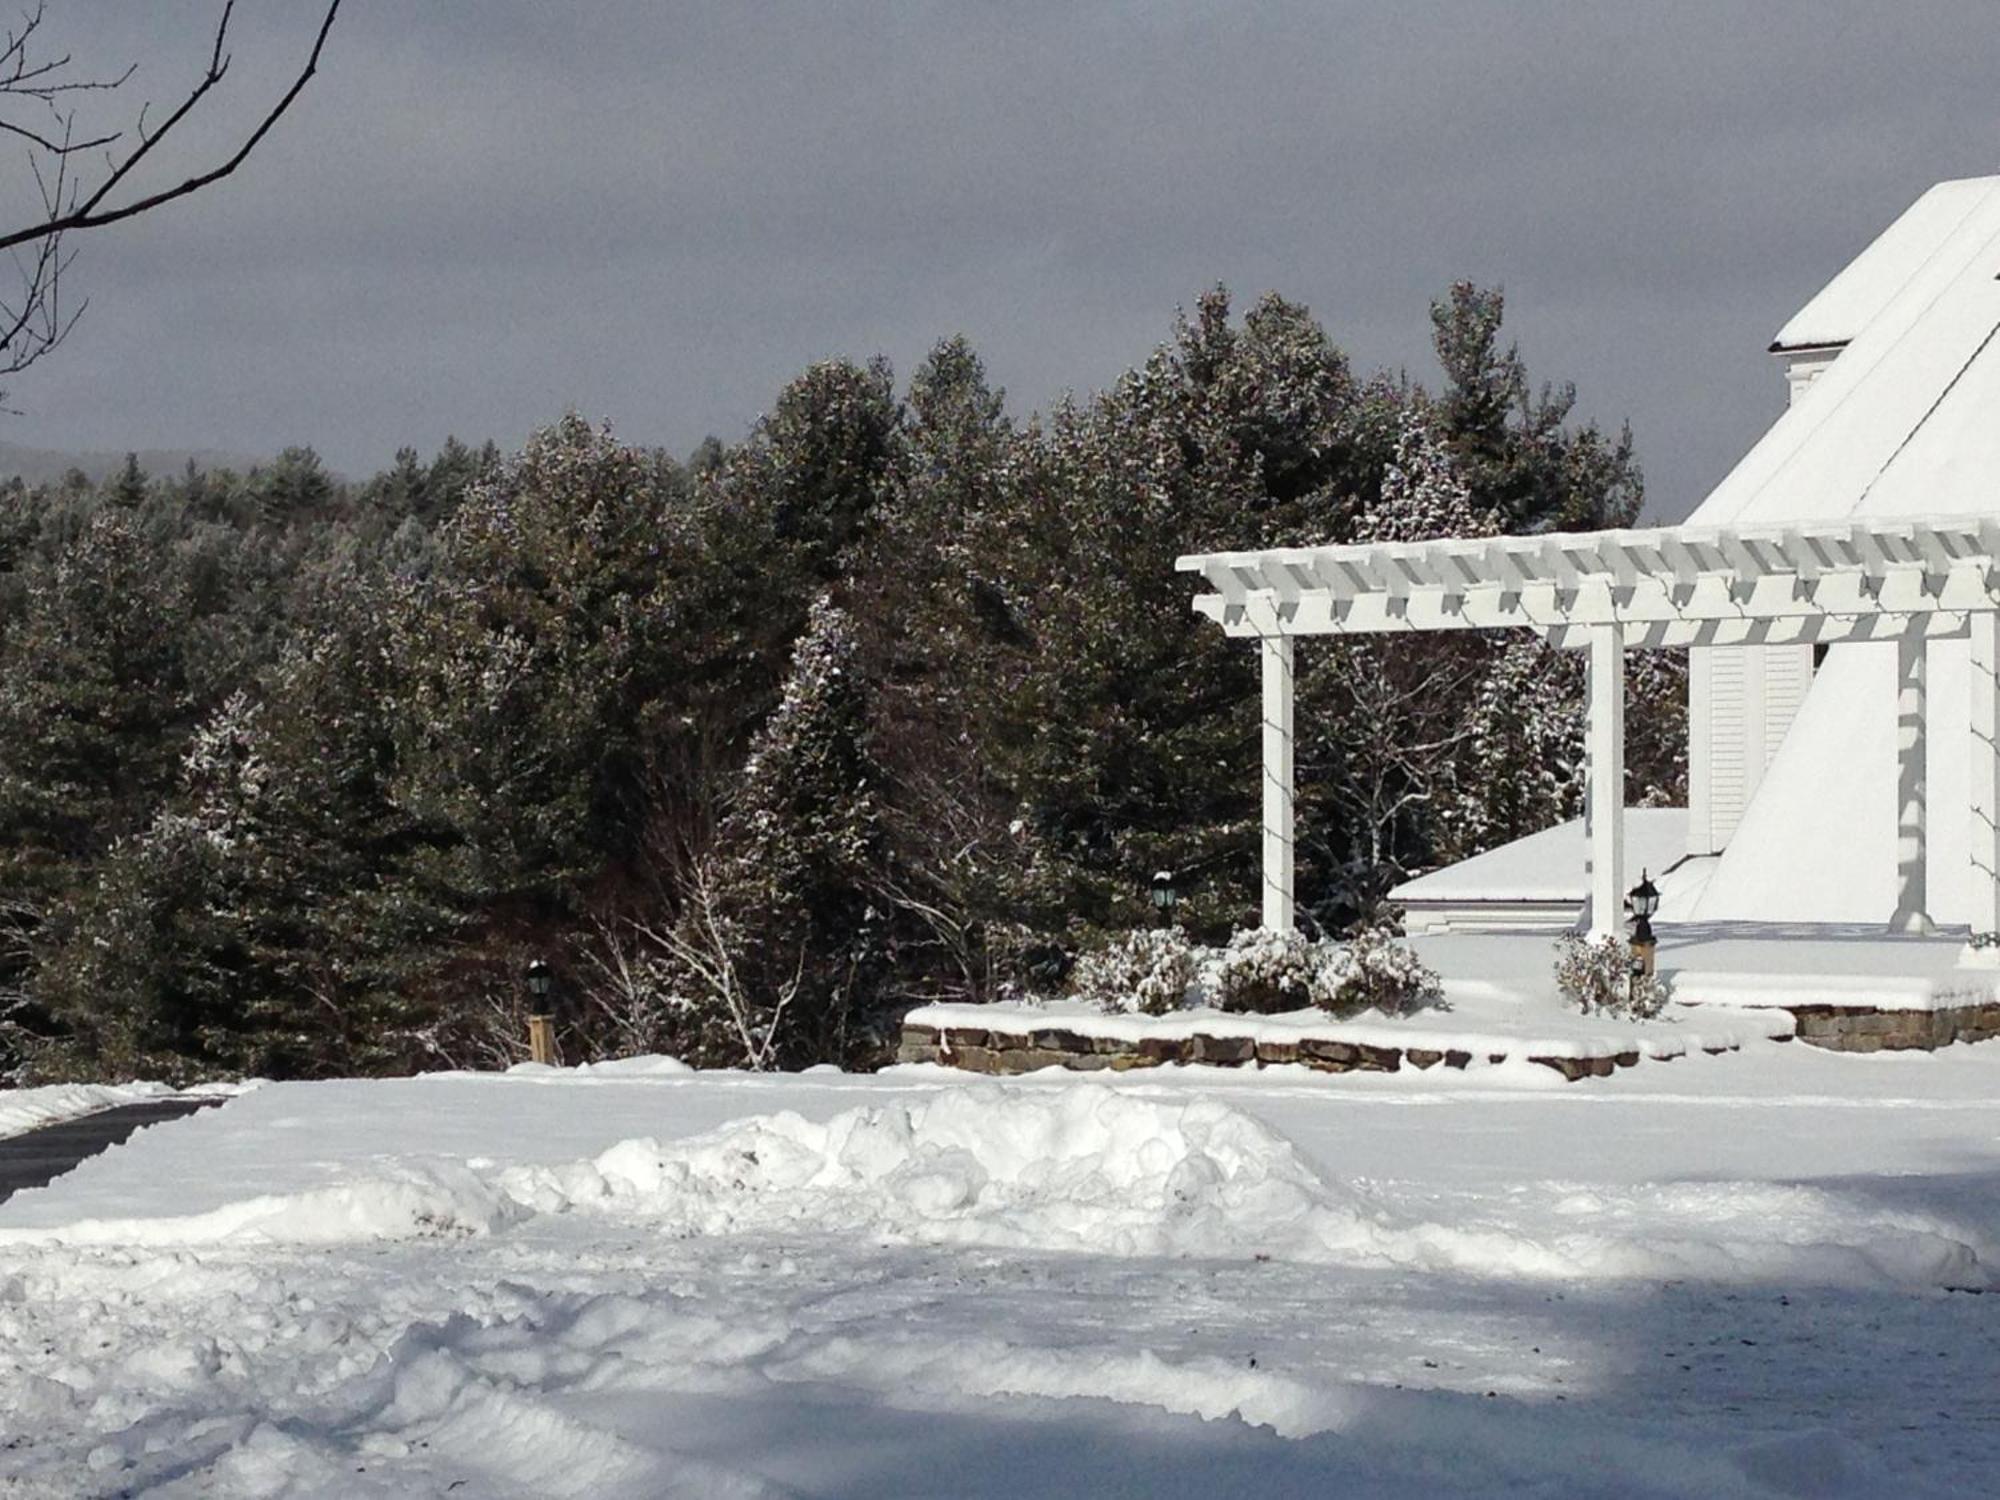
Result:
pixel 1149 970
pixel 1595 975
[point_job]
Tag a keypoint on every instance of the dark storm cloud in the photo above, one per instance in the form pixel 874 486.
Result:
pixel 483 213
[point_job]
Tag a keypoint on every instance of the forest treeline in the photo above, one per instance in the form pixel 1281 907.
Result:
pixel 898 700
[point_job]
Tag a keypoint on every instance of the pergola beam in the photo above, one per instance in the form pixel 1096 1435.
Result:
pixel 1790 630
pixel 1634 577
pixel 1649 599
pixel 1907 582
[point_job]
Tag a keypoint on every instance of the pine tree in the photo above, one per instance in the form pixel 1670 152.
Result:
pixel 1423 494
pixel 1515 446
pixel 147 981
pixel 784 948
pixel 94 697
pixel 530 659
pixel 128 490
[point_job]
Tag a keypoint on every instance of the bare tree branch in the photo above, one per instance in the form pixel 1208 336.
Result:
pixel 33 321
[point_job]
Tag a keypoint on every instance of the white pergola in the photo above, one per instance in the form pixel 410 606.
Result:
pixel 1607 591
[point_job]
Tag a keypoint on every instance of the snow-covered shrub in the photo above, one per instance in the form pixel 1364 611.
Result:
pixel 1145 970
pixel 1595 975
pixel 1267 972
pixel 1377 971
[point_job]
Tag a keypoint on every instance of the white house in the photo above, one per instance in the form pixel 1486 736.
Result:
pixel 1862 532
pixel 1895 378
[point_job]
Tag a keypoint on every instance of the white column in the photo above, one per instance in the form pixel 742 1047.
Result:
pixel 1276 653
pixel 1984 832
pixel 1912 912
pixel 1604 790
pixel 1701 750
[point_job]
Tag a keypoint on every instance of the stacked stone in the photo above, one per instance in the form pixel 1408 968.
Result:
pixel 1861 1028
pixel 997 1052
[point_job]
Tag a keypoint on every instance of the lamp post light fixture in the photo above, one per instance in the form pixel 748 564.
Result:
pixel 1165 895
pixel 540 981
pixel 541 1025
pixel 1644 901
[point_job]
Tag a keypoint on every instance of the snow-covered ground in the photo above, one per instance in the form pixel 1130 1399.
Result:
pixel 1750 1275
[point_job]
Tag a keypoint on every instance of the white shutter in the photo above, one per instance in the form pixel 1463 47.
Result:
pixel 1788 673
pixel 1741 700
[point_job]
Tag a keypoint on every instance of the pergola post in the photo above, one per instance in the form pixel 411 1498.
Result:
pixel 1912 912
pixel 1983 833
pixel 1275 651
pixel 1604 790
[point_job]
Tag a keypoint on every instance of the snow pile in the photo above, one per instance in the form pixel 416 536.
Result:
pixel 22 1110
pixel 1084 1169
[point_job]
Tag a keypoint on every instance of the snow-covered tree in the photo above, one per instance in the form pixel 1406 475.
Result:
pixel 1423 495
pixel 783 940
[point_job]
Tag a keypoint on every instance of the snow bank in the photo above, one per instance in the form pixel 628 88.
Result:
pixel 440 1200
pixel 652 1065
pixel 22 1110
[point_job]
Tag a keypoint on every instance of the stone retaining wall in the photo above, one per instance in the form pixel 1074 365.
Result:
pixel 1860 1028
pixel 1000 1052
pixel 1838 1028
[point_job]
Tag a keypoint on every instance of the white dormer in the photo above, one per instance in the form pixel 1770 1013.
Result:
pixel 1803 365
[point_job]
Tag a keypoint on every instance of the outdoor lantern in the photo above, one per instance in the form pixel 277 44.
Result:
pixel 539 982
pixel 1165 896
pixel 1644 900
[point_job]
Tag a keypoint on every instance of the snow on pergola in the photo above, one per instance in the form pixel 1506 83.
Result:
pixel 1605 591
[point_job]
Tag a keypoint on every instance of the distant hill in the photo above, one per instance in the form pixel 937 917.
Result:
pixel 47 465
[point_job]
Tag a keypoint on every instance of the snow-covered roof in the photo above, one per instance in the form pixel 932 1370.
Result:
pixel 1857 296
pixel 1549 865
pixel 1906 422
pixel 1677 584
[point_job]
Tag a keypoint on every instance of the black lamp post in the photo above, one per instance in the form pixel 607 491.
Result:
pixel 540 981
pixel 1644 901
pixel 1165 895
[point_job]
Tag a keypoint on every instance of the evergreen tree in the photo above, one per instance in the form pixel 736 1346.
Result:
pixel 784 949
pixel 542 663
pixel 1519 454
pixel 822 456
pixel 128 490
pixel 296 486
pixel 94 696
pixel 149 980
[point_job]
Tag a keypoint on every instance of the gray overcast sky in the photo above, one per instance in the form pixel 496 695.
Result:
pixel 485 211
